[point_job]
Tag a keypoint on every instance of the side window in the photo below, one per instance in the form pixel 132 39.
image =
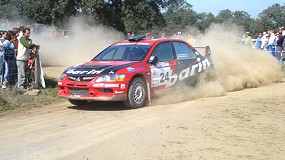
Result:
pixel 119 53
pixel 183 51
pixel 109 55
pixel 163 52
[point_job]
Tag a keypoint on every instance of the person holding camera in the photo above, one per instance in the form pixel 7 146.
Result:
pixel 22 58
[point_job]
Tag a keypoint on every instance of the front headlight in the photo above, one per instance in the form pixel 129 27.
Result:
pixel 62 77
pixel 111 78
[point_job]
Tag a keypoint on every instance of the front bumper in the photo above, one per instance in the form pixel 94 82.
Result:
pixel 122 97
pixel 93 91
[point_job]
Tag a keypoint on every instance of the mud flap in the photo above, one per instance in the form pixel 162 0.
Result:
pixel 148 93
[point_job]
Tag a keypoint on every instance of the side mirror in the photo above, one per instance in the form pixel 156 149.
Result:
pixel 153 60
pixel 208 51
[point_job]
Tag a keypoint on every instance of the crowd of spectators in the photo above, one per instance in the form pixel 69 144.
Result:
pixel 16 52
pixel 270 41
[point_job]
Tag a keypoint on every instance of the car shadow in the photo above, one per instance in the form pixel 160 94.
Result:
pixel 101 106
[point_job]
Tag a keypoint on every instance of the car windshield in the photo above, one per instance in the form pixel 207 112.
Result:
pixel 123 52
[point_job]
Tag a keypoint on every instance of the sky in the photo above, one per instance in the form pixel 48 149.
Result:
pixel 252 7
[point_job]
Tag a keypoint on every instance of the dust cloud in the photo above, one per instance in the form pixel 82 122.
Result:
pixel 236 66
pixel 83 43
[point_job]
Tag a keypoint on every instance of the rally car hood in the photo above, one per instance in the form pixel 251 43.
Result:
pixel 98 67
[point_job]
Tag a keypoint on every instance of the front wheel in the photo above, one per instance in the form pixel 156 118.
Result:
pixel 137 94
pixel 78 102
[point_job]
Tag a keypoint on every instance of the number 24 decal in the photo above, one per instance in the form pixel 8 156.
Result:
pixel 164 77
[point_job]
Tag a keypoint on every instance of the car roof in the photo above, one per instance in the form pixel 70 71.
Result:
pixel 144 41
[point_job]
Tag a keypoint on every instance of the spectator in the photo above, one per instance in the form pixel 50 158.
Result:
pixel 10 59
pixel 2 60
pixel 129 35
pixel 271 42
pixel 21 28
pixel 248 40
pixel 31 63
pixel 280 46
pixel 15 36
pixel 191 40
pixel 179 36
pixel 133 34
pixel 22 58
pixel 264 40
pixel 258 42
pixel 162 35
pixel 147 34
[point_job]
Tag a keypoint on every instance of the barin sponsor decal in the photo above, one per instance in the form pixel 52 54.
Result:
pixel 93 71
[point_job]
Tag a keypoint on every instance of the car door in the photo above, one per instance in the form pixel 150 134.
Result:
pixel 162 71
pixel 186 63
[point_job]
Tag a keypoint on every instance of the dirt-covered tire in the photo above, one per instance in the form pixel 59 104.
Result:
pixel 137 94
pixel 193 81
pixel 78 102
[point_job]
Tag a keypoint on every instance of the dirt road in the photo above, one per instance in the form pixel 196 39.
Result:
pixel 247 124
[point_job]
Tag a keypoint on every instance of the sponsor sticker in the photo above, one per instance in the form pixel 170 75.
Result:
pixel 98 85
pixel 165 76
pixel 93 71
pixel 123 86
pixel 119 92
pixel 130 69
pixel 111 85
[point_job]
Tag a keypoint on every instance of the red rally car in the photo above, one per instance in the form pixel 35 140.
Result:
pixel 134 71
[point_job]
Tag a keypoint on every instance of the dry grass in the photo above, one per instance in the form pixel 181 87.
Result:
pixel 11 99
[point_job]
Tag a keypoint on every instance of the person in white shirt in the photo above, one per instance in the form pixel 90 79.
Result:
pixel 271 42
pixel 264 40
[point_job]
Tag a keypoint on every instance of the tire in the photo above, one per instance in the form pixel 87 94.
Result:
pixel 193 81
pixel 137 94
pixel 78 102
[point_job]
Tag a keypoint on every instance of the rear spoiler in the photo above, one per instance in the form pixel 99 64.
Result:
pixel 205 51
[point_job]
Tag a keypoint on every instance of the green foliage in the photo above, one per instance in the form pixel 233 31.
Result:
pixel 224 16
pixel 11 9
pixel 272 17
pixel 204 20
pixel 50 82
pixel 4 104
pixel 141 15
pixel 138 16
pixel 38 11
pixel 179 15
pixel 62 10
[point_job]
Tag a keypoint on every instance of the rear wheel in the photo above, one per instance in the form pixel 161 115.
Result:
pixel 137 94
pixel 78 102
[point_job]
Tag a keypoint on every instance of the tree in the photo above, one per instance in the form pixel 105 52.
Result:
pixel 141 16
pixel 62 10
pixel 224 16
pixel 50 11
pixel 108 13
pixel 204 20
pixel 179 15
pixel 272 17
pixel 242 19
pixel 38 11
pixel 9 9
